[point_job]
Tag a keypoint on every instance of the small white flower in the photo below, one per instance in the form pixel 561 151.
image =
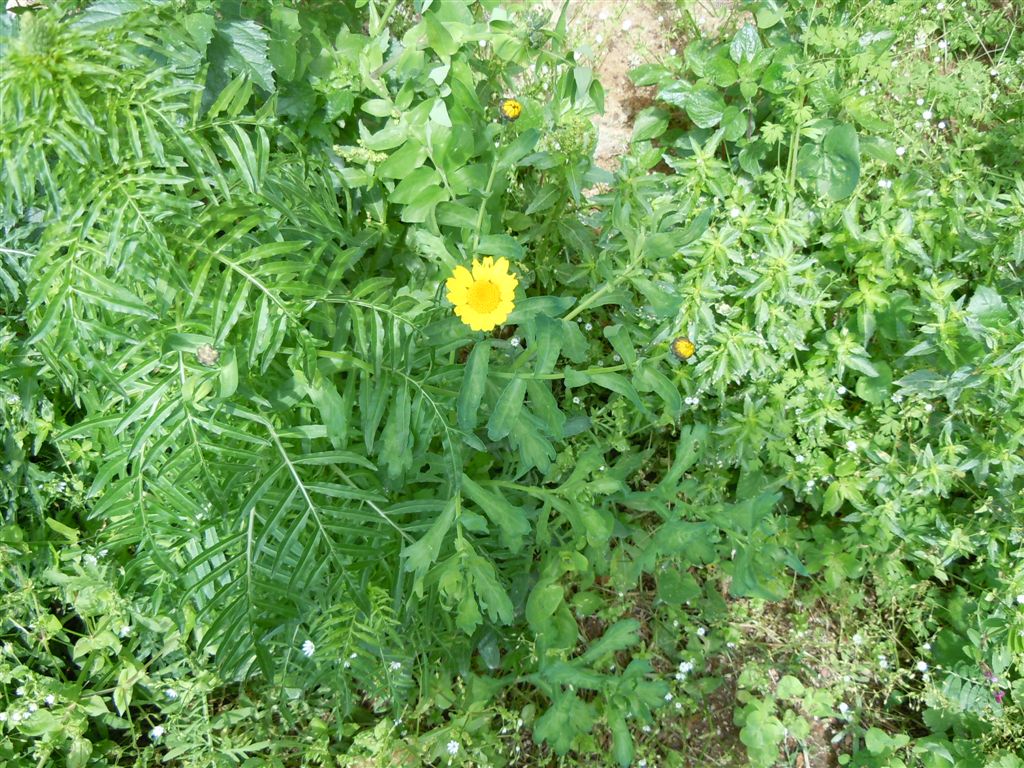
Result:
pixel 940 6
pixel 994 72
pixel 645 728
pixel 453 748
pixel 603 15
pixel 15 717
pixel 576 401
pixel 928 407
pixel 515 341
pixel 308 649
pixel 394 666
pixel 857 639
pixel 671 51
pixel 927 646
pixel 843 707
pixel 668 696
pixel 599 39
pixel 841 390
pixel 735 212
pixel 799 458
pixel 942 125
pixel 49 700
pixel 701 631
pixel 943 45
pixel 171 694
pixel 920 101
pixel 885 183
pixel 157 732
pixel 922 666
pixel 851 445
pixel 927 114
pixel 125 630
pixel 19 691
pixel 588 326
pixel 3 717
pixel 901 151
pixel 33 707
pixel 1020 599
pixel 483 43
pixel 627 24
pixel 897 398
pixel 883 662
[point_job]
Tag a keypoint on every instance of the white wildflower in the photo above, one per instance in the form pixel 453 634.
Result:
pixel 922 666
pixel 800 458
pixel 901 151
pixel 927 114
pixel 157 732
pixel 394 666
pixel 851 445
pixel 308 649
pixel 453 748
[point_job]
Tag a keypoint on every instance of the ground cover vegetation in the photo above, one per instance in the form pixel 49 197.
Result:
pixel 353 416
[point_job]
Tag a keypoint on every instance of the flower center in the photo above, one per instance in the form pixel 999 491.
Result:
pixel 484 296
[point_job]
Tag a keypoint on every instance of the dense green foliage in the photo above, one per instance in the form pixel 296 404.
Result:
pixel 268 501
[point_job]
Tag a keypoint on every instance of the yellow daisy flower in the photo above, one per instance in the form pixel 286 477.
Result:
pixel 510 109
pixel 485 297
pixel 683 348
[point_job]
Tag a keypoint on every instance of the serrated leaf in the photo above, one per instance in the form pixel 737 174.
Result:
pixel 249 50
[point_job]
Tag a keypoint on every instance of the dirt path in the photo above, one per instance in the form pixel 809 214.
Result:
pixel 618 35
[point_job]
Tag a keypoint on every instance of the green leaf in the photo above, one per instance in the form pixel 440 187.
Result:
pixel 622 741
pixel 650 124
pixel 789 688
pixel 745 44
pixel 500 245
pixel 506 410
pixel 705 107
pixel 422 554
pixel 621 635
pixel 542 603
pixel 79 752
pixel 249 50
pixel 567 718
pixel 474 385
pixel 876 741
pixel 438 36
pixel 510 519
pixel 834 166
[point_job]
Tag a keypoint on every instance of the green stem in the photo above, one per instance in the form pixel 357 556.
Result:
pixel 483 205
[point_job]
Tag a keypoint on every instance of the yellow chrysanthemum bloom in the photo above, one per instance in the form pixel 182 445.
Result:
pixel 683 348
pixel 485 297
pixel 510 109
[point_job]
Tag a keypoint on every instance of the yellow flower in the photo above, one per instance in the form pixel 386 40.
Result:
pixel 484 298
pixel 510 109
pixel 683 348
